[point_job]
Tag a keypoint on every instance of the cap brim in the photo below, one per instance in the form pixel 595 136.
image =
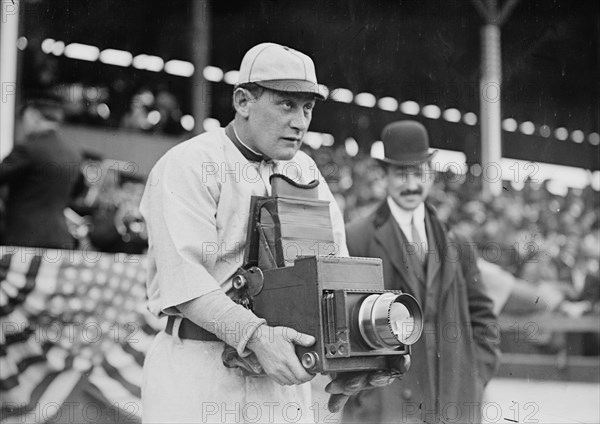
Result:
pixel 295 86
pixel 415 161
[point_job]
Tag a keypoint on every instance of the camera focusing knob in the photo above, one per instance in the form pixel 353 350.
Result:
pixel 239 281
pixel 249 280
pixel 310 360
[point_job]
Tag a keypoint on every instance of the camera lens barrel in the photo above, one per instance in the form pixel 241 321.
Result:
pixel 389 320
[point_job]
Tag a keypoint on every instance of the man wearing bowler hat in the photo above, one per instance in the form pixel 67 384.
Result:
pixel 457 354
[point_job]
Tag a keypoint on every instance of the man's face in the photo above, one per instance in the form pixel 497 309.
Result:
pixel 28 123
pixel 409 186
pixel 277 123
pixel 36 120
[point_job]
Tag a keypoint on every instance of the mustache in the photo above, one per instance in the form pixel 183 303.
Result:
pixel 411 192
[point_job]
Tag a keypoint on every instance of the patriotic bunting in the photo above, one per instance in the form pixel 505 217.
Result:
pixel 74 325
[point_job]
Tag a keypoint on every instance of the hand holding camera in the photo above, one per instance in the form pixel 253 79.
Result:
pixel 275 350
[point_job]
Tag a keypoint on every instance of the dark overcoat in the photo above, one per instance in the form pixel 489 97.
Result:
pixel 457 353
pixel 42 174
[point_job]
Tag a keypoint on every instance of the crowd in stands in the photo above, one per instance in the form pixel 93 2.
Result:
pixel 118 102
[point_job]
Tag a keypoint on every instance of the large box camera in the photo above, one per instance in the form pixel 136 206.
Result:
pixel 340 301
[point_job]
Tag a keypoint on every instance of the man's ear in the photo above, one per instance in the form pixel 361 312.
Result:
pixel 242 99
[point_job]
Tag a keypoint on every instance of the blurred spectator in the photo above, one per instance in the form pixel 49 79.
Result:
pixel 116 223
pixel 43 174
pixel 137 115
pixel 160 113
pixel 167 106
pixel 585 273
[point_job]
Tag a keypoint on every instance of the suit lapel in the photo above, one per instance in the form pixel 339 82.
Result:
pixel 440 264
pixel 449 273
pixel 435 252
pixel 386 234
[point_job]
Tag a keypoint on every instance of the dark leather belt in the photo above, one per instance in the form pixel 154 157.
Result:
pixel 189 330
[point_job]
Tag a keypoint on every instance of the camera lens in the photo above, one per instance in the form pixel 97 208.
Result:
pixel 401 322
pixel 388 320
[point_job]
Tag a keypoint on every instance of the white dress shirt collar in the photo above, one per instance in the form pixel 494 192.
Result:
pixel 404 219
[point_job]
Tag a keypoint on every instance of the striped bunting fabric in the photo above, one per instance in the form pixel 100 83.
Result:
pixel 74 333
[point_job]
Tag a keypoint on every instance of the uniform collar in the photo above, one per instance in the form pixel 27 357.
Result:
pixel 248 153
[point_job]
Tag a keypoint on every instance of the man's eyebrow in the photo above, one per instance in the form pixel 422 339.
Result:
pixel 282 96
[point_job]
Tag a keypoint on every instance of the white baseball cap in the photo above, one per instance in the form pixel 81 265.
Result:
pixel 280 68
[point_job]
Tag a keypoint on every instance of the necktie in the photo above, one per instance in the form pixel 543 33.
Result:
pixel 419 247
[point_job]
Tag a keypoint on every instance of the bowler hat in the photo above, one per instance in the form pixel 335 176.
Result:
pixel 405 143
pixel 280 68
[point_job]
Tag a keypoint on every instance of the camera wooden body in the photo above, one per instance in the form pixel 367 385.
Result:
pixel 320 296
pixel 292 279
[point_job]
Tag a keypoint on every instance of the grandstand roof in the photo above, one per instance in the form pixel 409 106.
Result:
pixel 425 51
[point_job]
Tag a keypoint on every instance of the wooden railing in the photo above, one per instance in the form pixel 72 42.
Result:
pixel 523 359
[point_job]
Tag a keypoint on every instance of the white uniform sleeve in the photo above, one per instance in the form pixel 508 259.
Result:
pixel 180 211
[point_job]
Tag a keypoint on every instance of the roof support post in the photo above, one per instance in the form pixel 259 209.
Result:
pixel 9 31
pixel 490 92
pixel 201 46
pixel 490 86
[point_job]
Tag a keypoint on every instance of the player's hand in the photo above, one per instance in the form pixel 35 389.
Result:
pixel 348 384
pixel 250 364
pixel 274 348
